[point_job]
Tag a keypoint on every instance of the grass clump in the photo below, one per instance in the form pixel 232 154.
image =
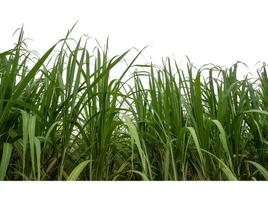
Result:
pixel 63 117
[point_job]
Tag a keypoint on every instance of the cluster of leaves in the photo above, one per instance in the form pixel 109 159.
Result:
pixel 65 118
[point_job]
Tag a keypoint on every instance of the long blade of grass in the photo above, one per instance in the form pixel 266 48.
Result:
pixel 260 168
pixel 77 170
pixel 6 155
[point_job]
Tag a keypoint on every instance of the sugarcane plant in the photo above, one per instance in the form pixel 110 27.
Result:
pixel 63 116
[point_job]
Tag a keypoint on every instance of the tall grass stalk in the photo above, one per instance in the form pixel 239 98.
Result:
pixel 64 117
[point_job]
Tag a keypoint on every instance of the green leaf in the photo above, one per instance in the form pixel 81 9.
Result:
pixel 77 170
pixel 6 155
pixel 223 140
pixel 38 157
pixel 261 169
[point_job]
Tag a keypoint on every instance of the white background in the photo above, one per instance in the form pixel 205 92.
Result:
pixel 121 190
pixel 221 32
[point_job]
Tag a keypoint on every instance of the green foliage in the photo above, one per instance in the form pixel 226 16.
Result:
pixel 64 117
